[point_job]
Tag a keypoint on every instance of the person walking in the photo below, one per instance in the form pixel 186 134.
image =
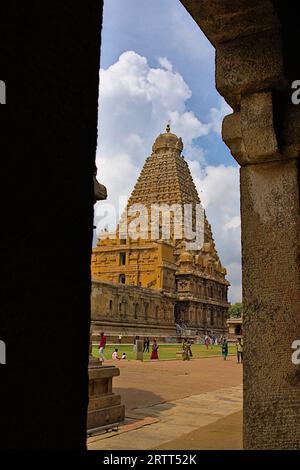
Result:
pixel 185 351
pixel 239 350
pixel 101 347
pixel 154 353
pixel 206 341
pixel 146 344
pixel 120 339
pixel 225 349
pixel 190 349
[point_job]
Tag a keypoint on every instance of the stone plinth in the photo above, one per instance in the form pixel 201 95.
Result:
pixel 104 406
pixel 139 350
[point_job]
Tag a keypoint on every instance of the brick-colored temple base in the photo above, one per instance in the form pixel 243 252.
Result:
pixel 104 406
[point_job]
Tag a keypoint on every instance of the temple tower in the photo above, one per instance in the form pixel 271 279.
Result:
pixel 159 255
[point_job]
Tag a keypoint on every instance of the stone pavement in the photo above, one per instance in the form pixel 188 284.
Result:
pixel 175 404
pixel 224 434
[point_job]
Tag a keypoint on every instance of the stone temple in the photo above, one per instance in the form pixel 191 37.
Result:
pixel 153 285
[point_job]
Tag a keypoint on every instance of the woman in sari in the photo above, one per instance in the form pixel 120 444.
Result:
pixel 154 353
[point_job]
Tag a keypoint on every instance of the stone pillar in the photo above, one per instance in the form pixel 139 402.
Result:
pixel 271 288
pixel 254 71
pixel 262 140
pixel 139 350
pixel 105 407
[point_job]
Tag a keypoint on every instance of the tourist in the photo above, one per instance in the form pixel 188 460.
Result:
pixel 101 346
pixel 115 356
pixel 190 349
pixel 224 349
pixel 146 344
pixel 154 354
pixel 124 356
pixel 120 339
pixel 185 351
pixel 239 350
pixel 206 341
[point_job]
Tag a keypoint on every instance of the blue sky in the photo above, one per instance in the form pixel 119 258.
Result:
pixel 163 28
pixel 156 65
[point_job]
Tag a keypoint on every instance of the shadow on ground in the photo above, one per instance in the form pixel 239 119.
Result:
pixel 134 399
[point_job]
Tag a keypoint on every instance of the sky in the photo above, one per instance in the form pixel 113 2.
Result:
pixel 157 66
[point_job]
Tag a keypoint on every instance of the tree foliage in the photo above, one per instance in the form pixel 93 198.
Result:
pixel 235 310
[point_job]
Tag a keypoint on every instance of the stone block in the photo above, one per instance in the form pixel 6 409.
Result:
pixel 257 127
pixel 290 128
pixel 104 406
pixel 225 20
pixel 106 416
pixel 248 65
pixel 104 401
pixel 232 136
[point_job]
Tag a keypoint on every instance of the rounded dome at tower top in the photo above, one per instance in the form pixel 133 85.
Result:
pixel 167 141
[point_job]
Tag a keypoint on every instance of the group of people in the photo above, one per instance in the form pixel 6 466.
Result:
pixel 146 346
pixel 239 349
pixel 115 355
pixel 187 351
pixel 212 340
pixel 101 347
pixel 186 348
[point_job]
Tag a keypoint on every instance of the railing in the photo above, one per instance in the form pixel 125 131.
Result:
pixel 183 330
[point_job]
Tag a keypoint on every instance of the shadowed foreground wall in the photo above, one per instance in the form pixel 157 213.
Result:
pixel 49 55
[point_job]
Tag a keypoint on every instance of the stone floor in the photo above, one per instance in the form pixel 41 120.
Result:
pixel 178 405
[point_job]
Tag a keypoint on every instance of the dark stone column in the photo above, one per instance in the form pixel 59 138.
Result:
pixel 50 62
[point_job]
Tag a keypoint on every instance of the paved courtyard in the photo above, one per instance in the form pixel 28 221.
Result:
pixel 178 405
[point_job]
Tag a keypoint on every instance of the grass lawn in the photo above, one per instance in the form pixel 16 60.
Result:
pixel 165 351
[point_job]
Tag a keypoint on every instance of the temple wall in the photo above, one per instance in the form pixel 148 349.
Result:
pixel 131 310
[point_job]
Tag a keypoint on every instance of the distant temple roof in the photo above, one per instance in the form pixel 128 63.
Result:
pixel 167 141
pixel 165 176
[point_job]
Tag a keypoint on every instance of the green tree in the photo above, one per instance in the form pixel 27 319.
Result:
pixel 235 310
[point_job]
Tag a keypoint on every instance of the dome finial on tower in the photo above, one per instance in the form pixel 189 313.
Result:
pixel 167 141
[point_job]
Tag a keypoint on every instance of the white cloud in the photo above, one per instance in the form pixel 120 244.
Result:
pixel 218 188
pixel 135 103
pixel 165 63
pixel 217 115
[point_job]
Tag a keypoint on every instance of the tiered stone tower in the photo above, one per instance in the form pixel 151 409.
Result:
pixel 153 284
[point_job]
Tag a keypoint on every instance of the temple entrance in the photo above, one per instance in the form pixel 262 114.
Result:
pixel 238 330
pixel 179 319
